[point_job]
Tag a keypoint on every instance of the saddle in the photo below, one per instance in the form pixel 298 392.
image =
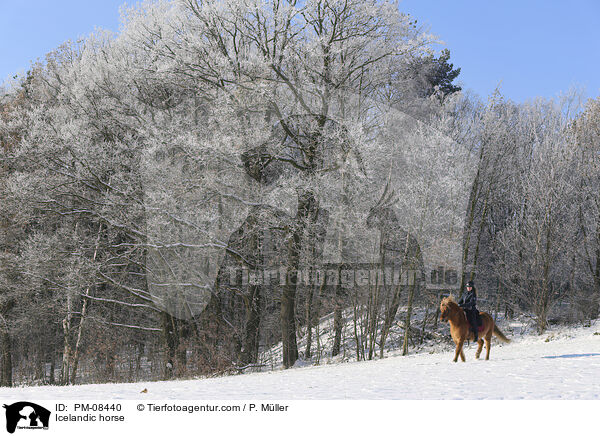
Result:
pixel 473 313
pixel 479 327
pixel 479 323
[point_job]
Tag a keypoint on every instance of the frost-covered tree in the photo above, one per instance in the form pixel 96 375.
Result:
pixel 539 238
pixel 296 66
pixel 586 131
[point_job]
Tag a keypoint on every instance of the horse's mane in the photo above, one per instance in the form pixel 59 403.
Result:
pixel 449 299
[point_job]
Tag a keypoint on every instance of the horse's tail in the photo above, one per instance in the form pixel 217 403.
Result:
pixel 500 335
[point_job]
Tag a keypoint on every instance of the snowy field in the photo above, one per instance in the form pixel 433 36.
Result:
pixel 561 364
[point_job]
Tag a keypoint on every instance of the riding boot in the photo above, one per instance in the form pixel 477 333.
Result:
pixel 475 334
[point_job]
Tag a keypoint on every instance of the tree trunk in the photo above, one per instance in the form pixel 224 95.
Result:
pixel 389 318
pixel 309 300
pixel 337 316
pixel 304 218
pixel 422 338
pixel 66 324
pixel 479 234
pixel 6 359
pixel 139 352
pixel 6 366
pixel 309 322
pixel 373 314
pixel 78 340
pixel 473 199
pixel 83 314
pixel 251 335
pixel 253 230
pixel 411 294
pixel 374 296
pixel 51 379
pixel 393 308
pixel 357 339
pixel 317 316
pixel 498 292
pixel 170 340
pixel 288 303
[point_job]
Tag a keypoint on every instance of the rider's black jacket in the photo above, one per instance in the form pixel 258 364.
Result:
pixel 468 301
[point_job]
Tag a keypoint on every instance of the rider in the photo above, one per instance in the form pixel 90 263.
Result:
pixel 468 302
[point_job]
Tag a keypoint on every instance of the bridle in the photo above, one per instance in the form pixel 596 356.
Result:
pixel 444 313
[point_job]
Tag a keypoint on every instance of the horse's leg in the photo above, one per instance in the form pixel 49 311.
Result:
pixel 488 345
pixel 462 355
pixel 479 348
pixel 459 346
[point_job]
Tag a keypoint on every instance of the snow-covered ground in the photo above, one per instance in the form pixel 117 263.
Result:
pixel 561 364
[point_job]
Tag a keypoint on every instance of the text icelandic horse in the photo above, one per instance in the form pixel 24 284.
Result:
pixel 460 329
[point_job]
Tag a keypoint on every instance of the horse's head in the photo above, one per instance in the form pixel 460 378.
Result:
pixel 447 307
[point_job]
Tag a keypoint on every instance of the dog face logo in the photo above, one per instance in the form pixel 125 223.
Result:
pixel 26 415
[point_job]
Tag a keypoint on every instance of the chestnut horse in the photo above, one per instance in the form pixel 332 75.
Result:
pixel 460 330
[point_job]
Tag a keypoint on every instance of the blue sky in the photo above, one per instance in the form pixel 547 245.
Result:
pixel 31 28
pixel 533 47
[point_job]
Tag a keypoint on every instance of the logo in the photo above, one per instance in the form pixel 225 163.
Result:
pixel 26 415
